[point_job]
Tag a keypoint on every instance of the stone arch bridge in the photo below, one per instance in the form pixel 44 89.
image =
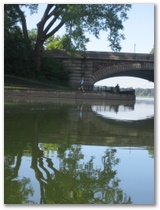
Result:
pixel 95 66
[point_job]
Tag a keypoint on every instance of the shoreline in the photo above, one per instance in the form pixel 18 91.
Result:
pixel 70 97
pixel 67 94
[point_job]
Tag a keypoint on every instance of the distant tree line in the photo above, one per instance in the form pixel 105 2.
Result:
pixel 149 92
pixel 152 51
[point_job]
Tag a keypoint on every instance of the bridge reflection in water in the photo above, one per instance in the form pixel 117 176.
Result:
pixel 51 141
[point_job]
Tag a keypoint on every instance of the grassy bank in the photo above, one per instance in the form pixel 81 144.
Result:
pixel 18 82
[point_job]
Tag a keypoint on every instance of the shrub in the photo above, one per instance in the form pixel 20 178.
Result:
pixel 53 70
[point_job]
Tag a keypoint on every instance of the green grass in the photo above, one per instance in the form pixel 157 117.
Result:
pixel 23 83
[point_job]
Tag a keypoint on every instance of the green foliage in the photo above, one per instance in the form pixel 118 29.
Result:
pixel 152 51
pixel 52 70
pixel 144 92
pixel 18 58
pixel 11 18
pixel 18 55
pixel 54 43
pixel 94 18
pixel 32 34
pixel 32 7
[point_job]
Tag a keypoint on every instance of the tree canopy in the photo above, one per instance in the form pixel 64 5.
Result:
pixel 81 18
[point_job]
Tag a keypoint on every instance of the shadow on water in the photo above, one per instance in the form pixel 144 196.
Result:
pixel 43 148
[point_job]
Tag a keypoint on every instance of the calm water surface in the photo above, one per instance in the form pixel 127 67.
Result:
pixel 79 153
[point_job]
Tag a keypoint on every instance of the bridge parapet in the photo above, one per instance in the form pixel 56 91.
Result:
pixel 102 55
pixel 118 56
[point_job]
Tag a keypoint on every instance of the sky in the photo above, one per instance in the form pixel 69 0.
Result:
pixel 139 38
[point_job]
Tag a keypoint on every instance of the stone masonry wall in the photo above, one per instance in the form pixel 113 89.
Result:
pixel 89 64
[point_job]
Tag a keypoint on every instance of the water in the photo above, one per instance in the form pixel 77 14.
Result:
pixel 84 153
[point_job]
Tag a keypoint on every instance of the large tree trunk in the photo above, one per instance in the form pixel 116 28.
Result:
pixel 38 55
pixel 43 32
pixel 39 47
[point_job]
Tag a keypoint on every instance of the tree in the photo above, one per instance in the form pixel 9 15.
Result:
pixel 78 19
pixel 18 52
pixel 15 14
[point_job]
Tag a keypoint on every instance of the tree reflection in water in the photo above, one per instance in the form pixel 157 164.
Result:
pixel 69 184
pixel 19 189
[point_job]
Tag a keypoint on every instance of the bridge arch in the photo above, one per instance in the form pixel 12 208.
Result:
pixel 143 71
pixel 96 66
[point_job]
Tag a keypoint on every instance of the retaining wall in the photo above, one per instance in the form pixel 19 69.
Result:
pixel 27 93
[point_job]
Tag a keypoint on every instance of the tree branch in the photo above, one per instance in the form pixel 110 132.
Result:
pixel 55 29
pixel 23 20
pixel 50 24
pixel 45 16
pixel 56 12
